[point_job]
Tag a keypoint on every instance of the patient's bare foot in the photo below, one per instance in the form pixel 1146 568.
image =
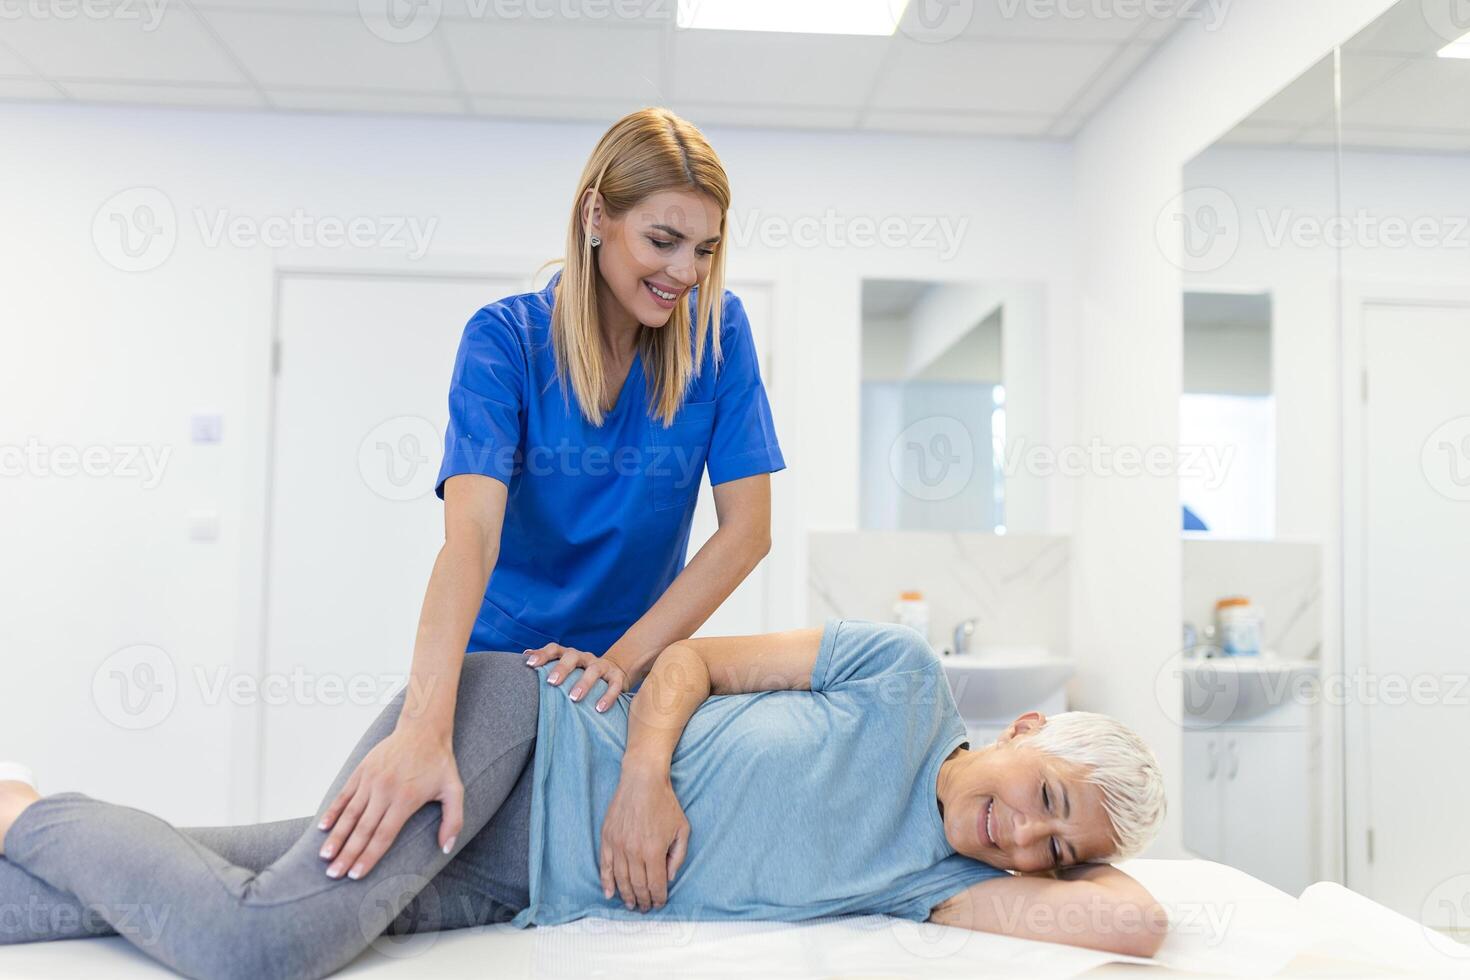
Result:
pixel 14 798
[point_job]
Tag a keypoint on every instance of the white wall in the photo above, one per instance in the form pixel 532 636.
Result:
pixel 1129 161
pixel 95 356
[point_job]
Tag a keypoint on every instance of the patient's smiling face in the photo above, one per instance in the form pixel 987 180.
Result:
pixel 1021 809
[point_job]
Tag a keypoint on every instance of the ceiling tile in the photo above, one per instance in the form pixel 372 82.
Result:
pixel 133 44
pixel 223 96
pixel 604 111
pixel 557 61
pixel 1431 94
pixel 958 123
pixel 328 51
pixel 763 68
pixel 395 102
pixel 705 114
pixel 984 76
pixel 1058 21
pixel 1408 140
pixel 1414 28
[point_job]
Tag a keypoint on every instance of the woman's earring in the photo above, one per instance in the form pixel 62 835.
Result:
pixel 596 241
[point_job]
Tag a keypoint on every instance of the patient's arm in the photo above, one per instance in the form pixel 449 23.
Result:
pixel 645 835
pixel 1091 905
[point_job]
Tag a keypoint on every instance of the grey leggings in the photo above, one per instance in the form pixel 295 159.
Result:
pixel 255 901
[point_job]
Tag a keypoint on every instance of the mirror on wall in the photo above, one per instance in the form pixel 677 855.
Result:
pixel 1405 248
pixel 948 379
pixel 1227 417
pixel 1258 483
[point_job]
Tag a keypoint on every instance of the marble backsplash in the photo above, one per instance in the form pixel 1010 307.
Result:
pixel 1283 578
pixel 1015 586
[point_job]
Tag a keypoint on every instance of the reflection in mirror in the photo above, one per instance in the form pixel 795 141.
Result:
pixel 1227 405
pixel 1406 427
pixel 1260 366
pixel 933 406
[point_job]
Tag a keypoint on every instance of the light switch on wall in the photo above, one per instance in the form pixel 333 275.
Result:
pixel 203 525
pixel 206 428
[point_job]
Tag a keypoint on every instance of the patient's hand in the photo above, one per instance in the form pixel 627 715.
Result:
pixel 645 837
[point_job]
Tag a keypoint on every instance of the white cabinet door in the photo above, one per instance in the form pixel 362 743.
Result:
pixel 1268 797
pixel 1202 794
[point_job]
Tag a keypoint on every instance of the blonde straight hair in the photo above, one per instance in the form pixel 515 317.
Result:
pixel 645 152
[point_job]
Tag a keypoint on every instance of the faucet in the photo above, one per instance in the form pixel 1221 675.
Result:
pixel 963 634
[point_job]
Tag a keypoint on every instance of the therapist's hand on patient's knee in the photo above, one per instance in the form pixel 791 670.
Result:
pixel 404 771
pixel 593 669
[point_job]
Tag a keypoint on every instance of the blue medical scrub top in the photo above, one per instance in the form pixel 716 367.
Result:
pixel 597 518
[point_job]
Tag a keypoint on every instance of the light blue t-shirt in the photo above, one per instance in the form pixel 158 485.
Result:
pixel 801 804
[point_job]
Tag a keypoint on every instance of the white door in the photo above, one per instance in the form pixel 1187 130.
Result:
pixel 361 405
pixel 1416 564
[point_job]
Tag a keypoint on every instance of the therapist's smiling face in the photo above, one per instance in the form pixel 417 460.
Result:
pixel 1021 809
pixel 652 255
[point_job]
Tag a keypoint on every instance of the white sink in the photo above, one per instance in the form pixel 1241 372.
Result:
pixel 995 684
pixel 1228 689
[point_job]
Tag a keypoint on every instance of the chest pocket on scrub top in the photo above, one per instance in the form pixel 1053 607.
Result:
pixel 676 466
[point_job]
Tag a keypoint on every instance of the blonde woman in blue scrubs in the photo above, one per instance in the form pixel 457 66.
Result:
pixel 581 419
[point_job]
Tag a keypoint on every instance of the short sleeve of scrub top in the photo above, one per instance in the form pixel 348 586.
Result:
pixel 486 400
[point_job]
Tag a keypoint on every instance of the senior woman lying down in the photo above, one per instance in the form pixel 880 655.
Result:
pixel 794 775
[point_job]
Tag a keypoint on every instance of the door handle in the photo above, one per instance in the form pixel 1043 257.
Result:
pixel 1212 750
pixel 1234 759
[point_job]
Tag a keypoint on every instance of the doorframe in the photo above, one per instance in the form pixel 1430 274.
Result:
pixel 1355 776
pixel 247 735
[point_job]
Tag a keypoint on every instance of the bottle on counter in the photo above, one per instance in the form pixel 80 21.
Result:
pixel 912 611
pixel 1241 627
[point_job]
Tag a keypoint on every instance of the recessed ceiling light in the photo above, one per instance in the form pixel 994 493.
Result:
pixel 870 17
pixel 1456 49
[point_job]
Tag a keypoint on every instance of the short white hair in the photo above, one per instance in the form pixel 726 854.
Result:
pixel 1116 761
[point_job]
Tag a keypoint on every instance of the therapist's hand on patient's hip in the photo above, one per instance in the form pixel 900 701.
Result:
pixel 645 837
pixel 593 669
pixel 399 775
